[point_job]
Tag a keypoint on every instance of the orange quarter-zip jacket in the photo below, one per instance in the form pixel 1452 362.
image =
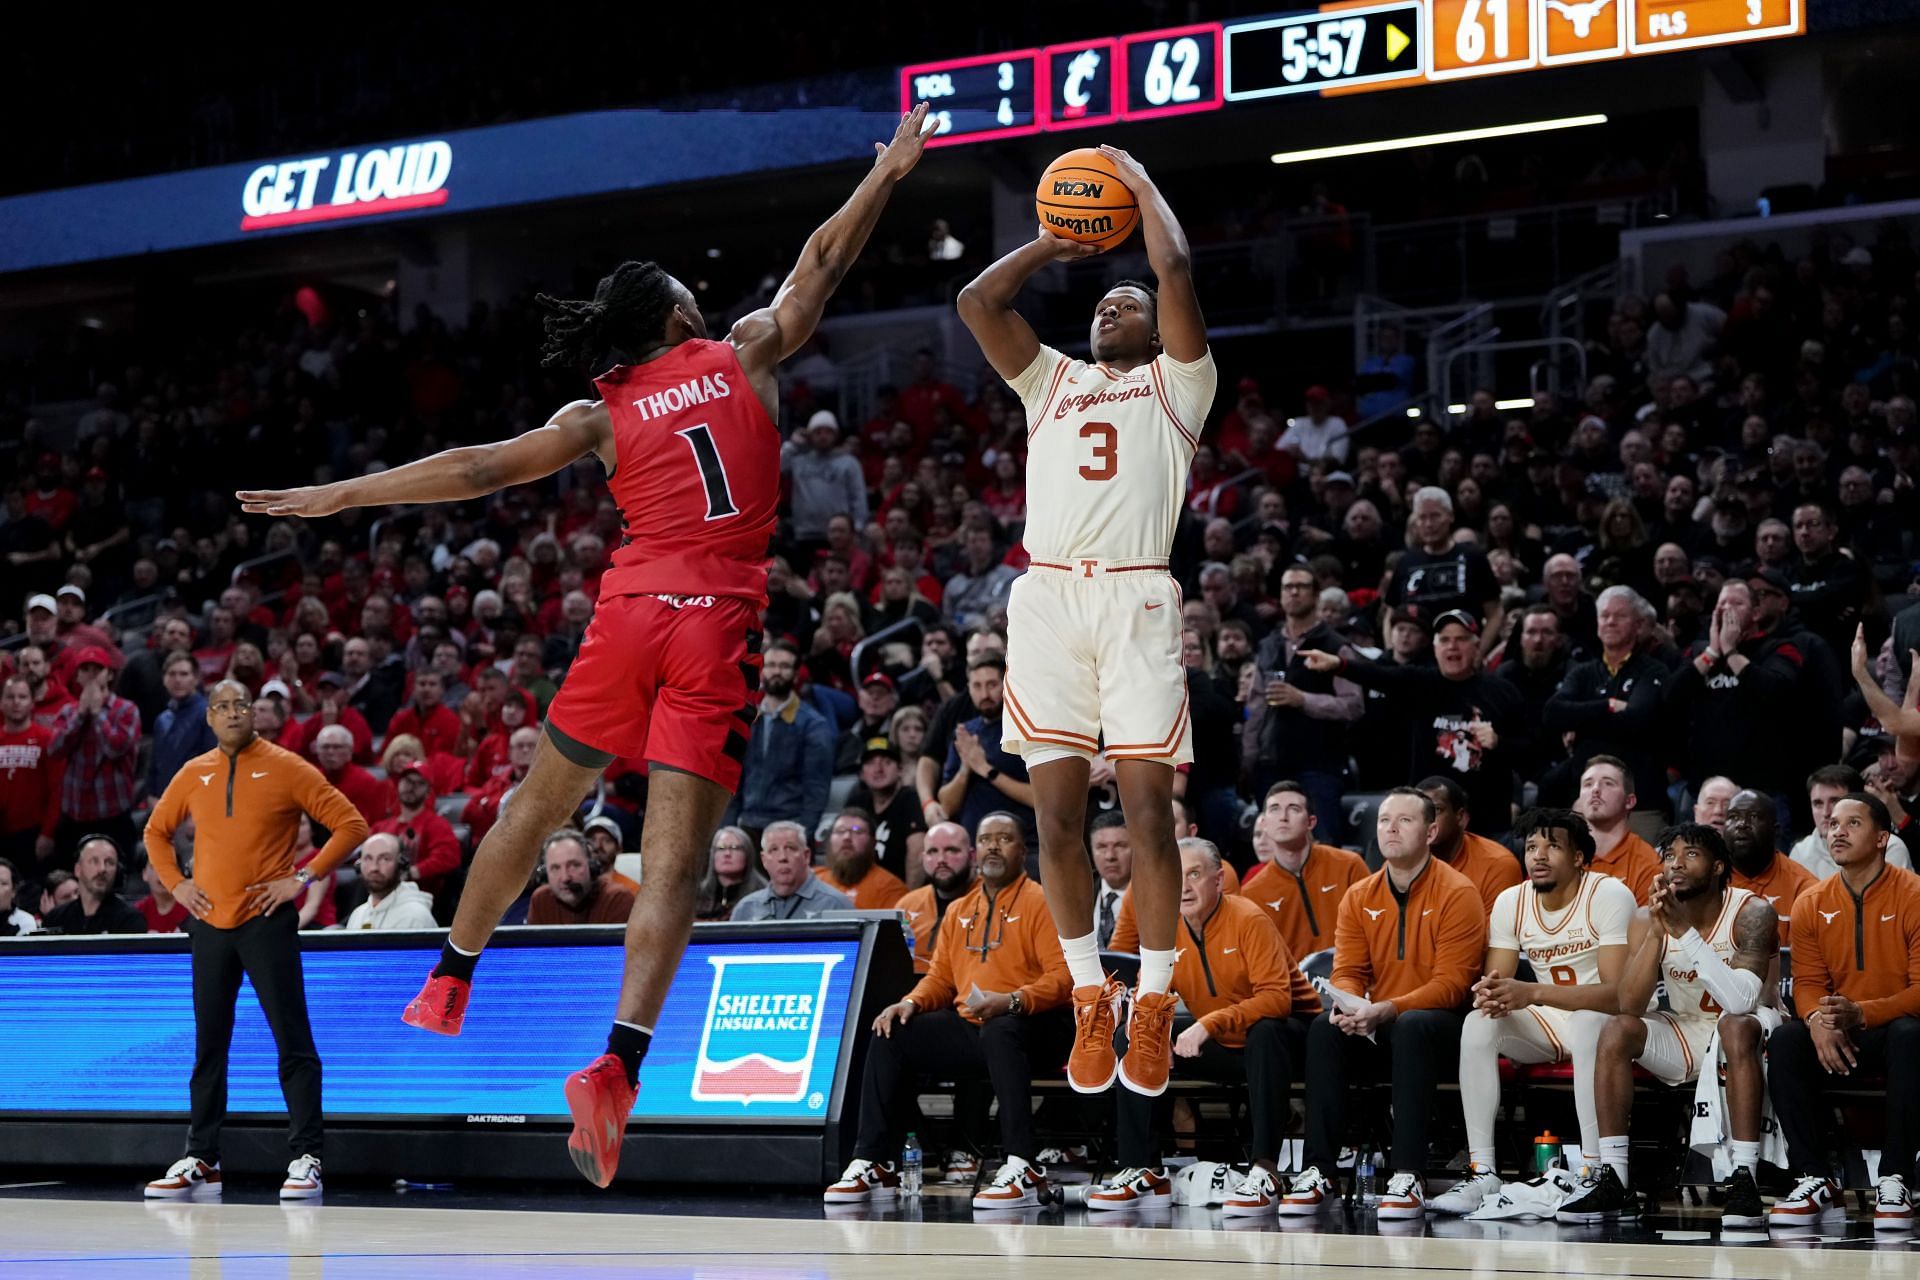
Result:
pixel 246 814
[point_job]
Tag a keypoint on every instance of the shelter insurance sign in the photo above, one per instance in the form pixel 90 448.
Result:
pixel 350 184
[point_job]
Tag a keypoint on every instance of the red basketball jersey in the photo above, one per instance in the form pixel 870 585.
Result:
pixel 696 476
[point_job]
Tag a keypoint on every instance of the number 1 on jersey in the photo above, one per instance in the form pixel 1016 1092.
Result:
pixel 713 472
pixel 1105 451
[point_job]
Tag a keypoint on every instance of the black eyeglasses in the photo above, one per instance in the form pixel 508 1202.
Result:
pixel 990 938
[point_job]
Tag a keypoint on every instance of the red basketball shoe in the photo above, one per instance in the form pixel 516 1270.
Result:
pixel 600 1099
pixel 440 1006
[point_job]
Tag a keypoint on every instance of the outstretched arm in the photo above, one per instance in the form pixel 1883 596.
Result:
pixel 986 305
pixel 452 475
pixel 1183 332
pixel 1901 721
pixel 771 334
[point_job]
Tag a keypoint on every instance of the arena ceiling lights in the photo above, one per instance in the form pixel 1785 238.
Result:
pixel 1437 139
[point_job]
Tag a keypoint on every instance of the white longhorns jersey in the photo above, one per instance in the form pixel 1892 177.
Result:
pixel 1686 996
pixel 1564 950
pixel 1108 453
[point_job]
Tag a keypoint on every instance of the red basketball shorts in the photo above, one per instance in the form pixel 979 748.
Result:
pixel 674 680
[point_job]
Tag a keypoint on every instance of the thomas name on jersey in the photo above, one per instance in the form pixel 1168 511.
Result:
pixel 712 386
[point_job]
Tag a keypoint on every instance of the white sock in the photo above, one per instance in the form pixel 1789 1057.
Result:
pixel 1083 960
pixel 645 1031
pixel 1613 1151
pixel 1480 1044
pixel 1156 970
pixel 1746 1155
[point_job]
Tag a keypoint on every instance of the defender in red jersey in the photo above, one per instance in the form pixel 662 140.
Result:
pixel 670 665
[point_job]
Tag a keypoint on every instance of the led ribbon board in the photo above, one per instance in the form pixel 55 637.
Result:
pixel 1336 49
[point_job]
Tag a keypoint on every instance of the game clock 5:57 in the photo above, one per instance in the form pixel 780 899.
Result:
pixel 1311 52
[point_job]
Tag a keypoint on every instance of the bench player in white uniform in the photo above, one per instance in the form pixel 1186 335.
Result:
pixel 1717 948
pixel 1572 924
pixel 1093 645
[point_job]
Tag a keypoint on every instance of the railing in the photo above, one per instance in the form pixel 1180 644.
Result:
pixel 1543 376
pixel 272 557
pixel 886 635
pixel 1414 406
pixel 245 567
pixel 1503 254
pixel 116 615
pixel 1564 313
pixel 1471 328
pixel 374 530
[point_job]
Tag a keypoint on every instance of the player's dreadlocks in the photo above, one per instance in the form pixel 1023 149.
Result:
pixel 627 315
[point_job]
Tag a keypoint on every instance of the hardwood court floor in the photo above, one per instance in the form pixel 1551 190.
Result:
pixel 54 1232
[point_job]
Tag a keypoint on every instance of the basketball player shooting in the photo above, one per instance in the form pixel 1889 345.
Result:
pixel 669 668
pixel 1093 651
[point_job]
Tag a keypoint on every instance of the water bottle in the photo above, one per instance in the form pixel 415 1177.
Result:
pixel 1369 1195
pixel 1546 1151
pixel 911 1164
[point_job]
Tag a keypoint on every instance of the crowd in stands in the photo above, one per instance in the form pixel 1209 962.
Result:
pixel 1690 582
pixel 1671 570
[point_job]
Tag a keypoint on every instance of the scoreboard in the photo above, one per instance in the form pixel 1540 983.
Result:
pixel 1347 46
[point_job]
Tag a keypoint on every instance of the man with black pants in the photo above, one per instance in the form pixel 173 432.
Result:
pixel 1250 1008
pixel 246 797
pixel 993 1004
pixel 1856 951
pixel 1406 951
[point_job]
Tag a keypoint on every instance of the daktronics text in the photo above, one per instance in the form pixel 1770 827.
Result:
pixel 352 184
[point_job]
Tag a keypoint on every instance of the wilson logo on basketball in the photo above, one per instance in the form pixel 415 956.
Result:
pixel 1078 187
pixel 1079 226
pixel 351 184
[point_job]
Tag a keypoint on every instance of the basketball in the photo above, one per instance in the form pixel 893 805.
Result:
pixel 1082 198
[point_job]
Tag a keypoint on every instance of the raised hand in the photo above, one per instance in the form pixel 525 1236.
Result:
pixel 909 143
pixel 1065 250
pixel 1131 171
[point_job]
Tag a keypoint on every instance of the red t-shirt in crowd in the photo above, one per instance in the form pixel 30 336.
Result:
pixel 438 730
pixel 29 781
pixel 159 921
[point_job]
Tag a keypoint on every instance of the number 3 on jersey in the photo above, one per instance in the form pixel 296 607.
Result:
pixel 1106 459
pixel 713 472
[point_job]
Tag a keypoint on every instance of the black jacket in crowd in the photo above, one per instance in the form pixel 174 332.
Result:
pixel 1438 712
